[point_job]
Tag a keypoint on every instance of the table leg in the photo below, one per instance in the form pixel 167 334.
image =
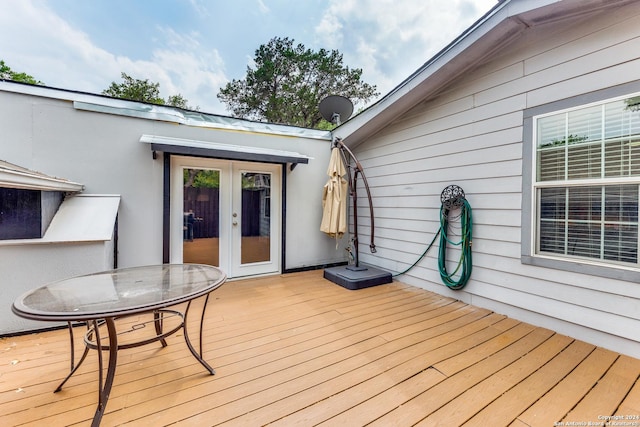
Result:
pixel 197 355
pixel 157 321
pixel 104 389
pixel 74 367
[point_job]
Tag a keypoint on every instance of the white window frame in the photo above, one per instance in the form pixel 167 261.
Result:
pixel 530 213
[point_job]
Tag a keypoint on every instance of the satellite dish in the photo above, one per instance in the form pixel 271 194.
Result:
pixel 336 108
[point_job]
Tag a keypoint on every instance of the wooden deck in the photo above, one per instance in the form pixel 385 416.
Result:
pixel 299 350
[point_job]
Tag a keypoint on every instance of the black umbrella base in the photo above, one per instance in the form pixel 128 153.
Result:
pixel 354 278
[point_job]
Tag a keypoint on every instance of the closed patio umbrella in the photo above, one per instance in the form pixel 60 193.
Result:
pixel 335 198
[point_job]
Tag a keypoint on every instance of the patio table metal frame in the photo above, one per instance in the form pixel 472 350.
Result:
pixel 100 299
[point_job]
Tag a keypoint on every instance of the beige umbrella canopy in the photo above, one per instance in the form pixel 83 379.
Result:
pixel 335 198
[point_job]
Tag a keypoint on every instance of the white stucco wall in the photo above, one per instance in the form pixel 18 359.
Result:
pixel 26 266
pixel 103 152
pixel 79 240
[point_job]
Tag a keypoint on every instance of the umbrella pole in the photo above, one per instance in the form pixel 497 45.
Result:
pixel 355 276
pixel 353 181
pixel 354 195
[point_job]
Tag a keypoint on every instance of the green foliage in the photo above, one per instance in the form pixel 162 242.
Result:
pixel 289 82
pixel 201 178
pixel 178 101
pixel 572 139
pixel 144 91
pixel 6 73
pixel 135 90
pixel 325 125
pixel 633 104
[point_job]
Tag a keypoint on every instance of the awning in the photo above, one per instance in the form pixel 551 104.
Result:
pixel 191 147
pixel 14 176
pixel 83 218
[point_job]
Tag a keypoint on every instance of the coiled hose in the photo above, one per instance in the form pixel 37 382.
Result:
pixel 465 263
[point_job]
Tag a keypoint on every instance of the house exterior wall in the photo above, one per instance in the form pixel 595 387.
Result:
pixel 104 153
pixel 26 266
pixel 471 134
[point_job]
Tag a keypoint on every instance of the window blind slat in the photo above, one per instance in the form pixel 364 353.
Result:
pixel 598 142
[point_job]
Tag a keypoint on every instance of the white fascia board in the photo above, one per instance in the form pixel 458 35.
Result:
pixel 214 149
pixel 197 119
pixel 12 176
pixel 121 107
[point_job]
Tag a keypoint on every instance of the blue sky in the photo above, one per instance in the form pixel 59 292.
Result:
pixel 194 47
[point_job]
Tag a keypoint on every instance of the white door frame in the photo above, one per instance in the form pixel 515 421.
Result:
pixel 273 265
pixel 229 259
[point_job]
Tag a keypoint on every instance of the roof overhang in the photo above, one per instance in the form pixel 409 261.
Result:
pixel 102 104
pixel 191 147
pixel 498 28
pixel 14 176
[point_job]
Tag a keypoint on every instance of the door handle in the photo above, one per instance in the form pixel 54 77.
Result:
pixel 234 223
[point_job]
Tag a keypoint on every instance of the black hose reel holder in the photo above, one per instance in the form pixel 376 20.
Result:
pixel 452 197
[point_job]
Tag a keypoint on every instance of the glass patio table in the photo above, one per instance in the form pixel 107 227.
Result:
pixel 100 299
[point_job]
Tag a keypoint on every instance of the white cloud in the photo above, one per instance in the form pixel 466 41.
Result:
pixel 263 7
pixel 199 7
pixel 47 46
pixel 184 66
pixel 68 58
pixel 197 76
pixel 388 39
pixel 330 29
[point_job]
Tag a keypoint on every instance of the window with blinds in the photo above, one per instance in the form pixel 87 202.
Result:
pixel 587 182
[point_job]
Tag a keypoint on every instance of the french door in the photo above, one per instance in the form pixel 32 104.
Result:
pixel 226 214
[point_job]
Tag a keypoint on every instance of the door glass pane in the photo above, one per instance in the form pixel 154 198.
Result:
pixel 201 217
pixel 256 217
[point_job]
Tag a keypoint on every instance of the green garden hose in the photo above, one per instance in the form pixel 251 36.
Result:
pixel 464 262
pixel 452 198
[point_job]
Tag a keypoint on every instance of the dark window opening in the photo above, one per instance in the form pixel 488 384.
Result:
pixel 20 214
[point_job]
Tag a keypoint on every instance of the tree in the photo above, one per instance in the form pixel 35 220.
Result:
pixel 135 90
pixel 633 104
pixel 179 101
pixel 289 82
pixel 6 73
pixel 144 91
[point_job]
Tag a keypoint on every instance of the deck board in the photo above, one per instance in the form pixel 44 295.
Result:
pixel 296 349
pixel 521 396
pixel 429 401
pixel 555 404
pixel 381 391
pixel 607 394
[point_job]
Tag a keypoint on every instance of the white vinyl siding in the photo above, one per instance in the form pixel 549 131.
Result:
pixel 586 185
pixel 475 133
